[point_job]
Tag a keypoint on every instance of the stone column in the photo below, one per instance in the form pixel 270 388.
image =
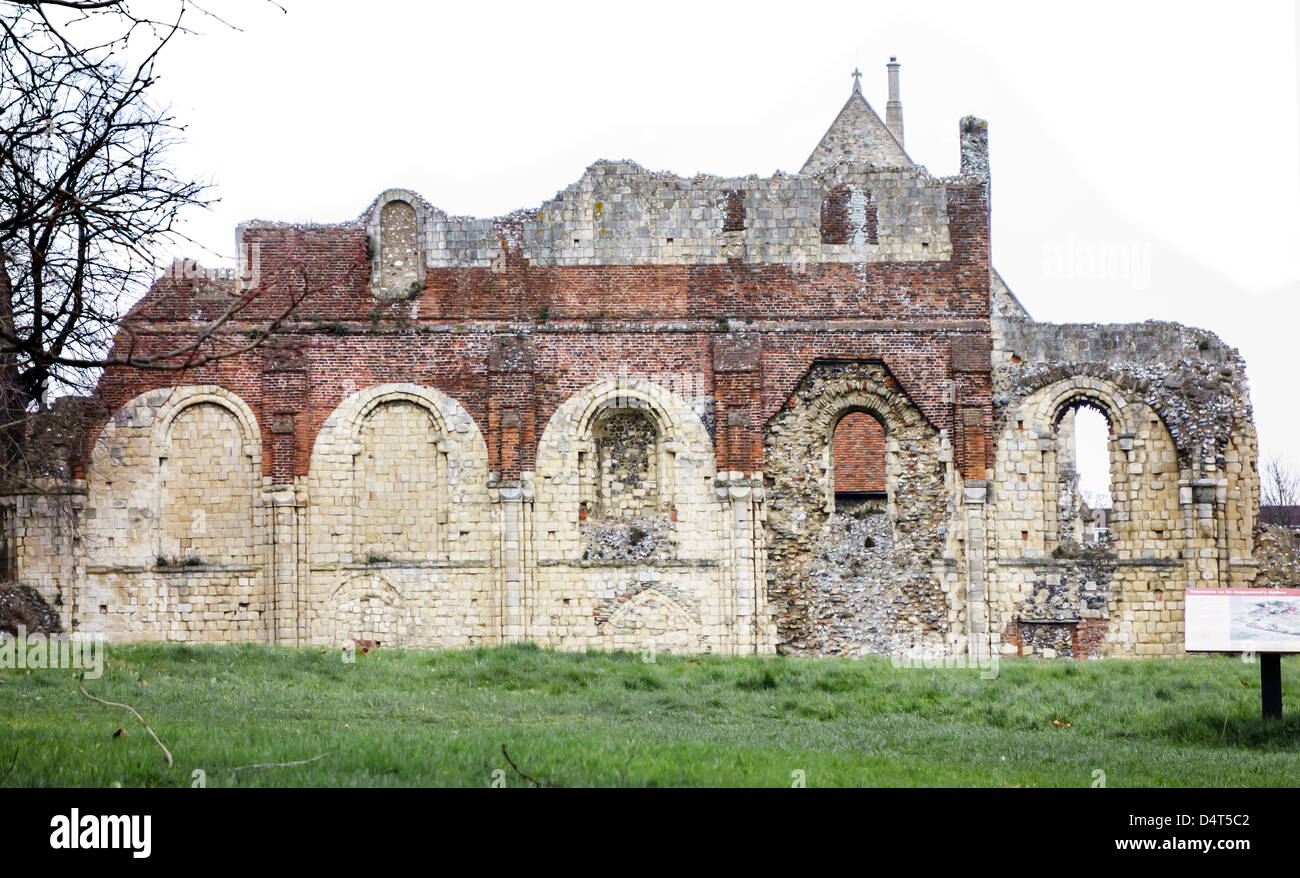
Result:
pixel 1205 532
pixel 283 507
pixel 974 494
pixel 513 608
pixel 745 568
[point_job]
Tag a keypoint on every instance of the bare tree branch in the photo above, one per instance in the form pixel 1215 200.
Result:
pixel 90 203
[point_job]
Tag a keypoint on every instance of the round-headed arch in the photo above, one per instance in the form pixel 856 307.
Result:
pixel 460 471
pixel 669 414
pixel 341 430
pixel 687 466
pixel 364 606
pixel 1057 399
pixel 173 401
pixel 893 410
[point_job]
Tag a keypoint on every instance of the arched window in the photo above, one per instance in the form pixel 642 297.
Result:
pixel 858 457
pixel 1083 474
pixel 627 464
pixel 848 216
pixel 625 508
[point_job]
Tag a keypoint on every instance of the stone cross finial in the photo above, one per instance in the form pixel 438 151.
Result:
pixel 857 79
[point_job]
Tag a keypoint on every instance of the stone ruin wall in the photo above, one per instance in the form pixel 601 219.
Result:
pixel 610 423
pixel 836 594
pixel 1184 483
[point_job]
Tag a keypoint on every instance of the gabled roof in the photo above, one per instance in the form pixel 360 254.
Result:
pixel 857 136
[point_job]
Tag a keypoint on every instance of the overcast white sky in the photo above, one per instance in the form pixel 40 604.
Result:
pixel 1162 132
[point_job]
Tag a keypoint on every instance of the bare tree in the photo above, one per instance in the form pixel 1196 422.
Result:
pixel 89 203
pixel 1279 487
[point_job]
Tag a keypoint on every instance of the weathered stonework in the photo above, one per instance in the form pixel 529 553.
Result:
pixel 803 524
pixel 621 420
pixel 1278 552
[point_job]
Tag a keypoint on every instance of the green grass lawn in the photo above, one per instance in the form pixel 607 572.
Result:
pixel 399 717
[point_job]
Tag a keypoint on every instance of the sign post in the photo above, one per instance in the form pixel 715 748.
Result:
pixel 1263 621
pixel 1270 684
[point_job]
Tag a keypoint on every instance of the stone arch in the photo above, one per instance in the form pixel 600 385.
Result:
pixel 1142 455
pixel 566 459
pixel 1191 438
pixel 1099 393
pixel 891 409
pixel 1086 594
pixel 175 474
pixel 367 610
pixel 133 458
pixel 866 393
pixel 444 495
pixel 626 461
pixel 1054 402
pixel 1063 504
pixel 440 562
pixel 653 619
pixel 181 398
pixel 206 487
pixel 811 546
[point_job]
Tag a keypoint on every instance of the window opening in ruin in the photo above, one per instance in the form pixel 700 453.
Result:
pixel 626 512
pixel 734 216
pixel 397 484
pixel 858 462
pixel 1084 479
pixel 205 490
pixel 627 465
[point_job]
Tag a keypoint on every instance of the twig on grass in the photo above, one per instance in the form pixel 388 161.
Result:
pixel 12 765
pixel 282 764
pixel 532 780
pixel 131 709
pixel 622 775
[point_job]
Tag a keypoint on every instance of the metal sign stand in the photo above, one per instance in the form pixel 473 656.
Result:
pixel 1270 684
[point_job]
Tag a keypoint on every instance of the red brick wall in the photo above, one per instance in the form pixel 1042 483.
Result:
pixel 511 343
pixel 859 455
pixel 1089 638
pixel 836 222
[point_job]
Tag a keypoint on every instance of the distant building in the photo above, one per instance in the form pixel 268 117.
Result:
pixel 1288 516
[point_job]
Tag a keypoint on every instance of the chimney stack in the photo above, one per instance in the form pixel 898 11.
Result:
pixel 894 109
